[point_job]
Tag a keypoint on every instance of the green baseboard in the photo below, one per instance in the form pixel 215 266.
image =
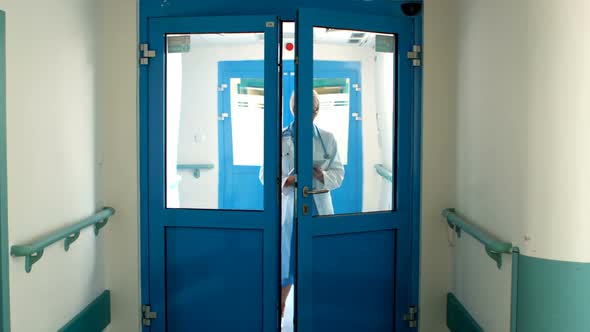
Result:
pixel 552 295
pixel 94 318
pixel 458 318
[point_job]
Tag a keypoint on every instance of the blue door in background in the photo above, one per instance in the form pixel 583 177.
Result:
pixel 211 267
pixel 239 183
pixel 339 85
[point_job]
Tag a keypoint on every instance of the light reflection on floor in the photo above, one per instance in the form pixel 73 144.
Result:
pixel 288 319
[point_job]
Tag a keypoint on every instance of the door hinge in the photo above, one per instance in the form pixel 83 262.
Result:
pixel 416 55
pixel 146 54
pixel 148 315
pixel 412 317
pixel 223 116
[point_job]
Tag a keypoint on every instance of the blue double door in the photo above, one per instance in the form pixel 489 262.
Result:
pixel 212 261
pixel 240 185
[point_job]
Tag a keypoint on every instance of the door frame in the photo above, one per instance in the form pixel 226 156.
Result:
pixel 286 11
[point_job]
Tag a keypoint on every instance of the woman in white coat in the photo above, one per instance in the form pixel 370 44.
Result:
pixel 328 173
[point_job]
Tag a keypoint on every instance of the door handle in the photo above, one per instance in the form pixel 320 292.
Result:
pixel 307 192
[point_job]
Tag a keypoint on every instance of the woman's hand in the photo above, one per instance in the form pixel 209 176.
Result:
pixel 290 182
pixel 318 174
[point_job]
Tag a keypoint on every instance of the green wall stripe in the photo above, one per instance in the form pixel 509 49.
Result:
pixel 94 318
pixel 514 289
pixel 458 318
pixel 553 295
pixel 4 296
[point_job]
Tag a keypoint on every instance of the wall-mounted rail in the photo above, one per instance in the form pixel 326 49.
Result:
pixel 494 247
pixel 34 250
pixel 196 168
pixel 384 172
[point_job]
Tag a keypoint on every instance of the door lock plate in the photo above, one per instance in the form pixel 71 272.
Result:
pixel 305 209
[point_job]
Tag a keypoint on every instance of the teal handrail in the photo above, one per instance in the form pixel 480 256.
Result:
pixel 196 168
pixel 34 251
pixel 384 172
pixel 494 247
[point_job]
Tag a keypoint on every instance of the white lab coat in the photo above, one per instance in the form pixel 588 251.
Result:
pixel 333 171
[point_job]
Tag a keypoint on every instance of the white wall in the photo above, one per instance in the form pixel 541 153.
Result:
pixel 199 117
pixel 523 127
pixel 52 89
pixel 120 153
pixel 438 160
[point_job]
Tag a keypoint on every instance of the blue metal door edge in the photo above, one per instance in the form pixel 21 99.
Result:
pixel 416 169
pixel 4 296
pixel 94 318
pixel 458 318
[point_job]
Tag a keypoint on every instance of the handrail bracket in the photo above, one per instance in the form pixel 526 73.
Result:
pixel 32 259
pixel 100 225
pixel 70 239
pixel 495 256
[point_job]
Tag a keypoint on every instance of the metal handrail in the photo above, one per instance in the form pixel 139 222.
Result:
pixel 494 247
pixel 196 168
pixel 384 172
pixel 34 250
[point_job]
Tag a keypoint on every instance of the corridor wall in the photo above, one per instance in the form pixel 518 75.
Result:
pixel 523 127
pixel 52 151
pixel 119 122
pixel 438 161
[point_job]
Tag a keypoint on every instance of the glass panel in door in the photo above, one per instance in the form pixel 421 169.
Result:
pixel 214 121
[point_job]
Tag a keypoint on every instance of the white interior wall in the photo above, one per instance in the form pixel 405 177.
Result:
pixel 438 159
pixel 199 117
pixel 523 127
pixel 52 104
pixel 120 154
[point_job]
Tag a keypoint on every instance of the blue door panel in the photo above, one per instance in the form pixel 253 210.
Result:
pixel 354 269
pixel 217 271
pixel 356 283
pixel 214 279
